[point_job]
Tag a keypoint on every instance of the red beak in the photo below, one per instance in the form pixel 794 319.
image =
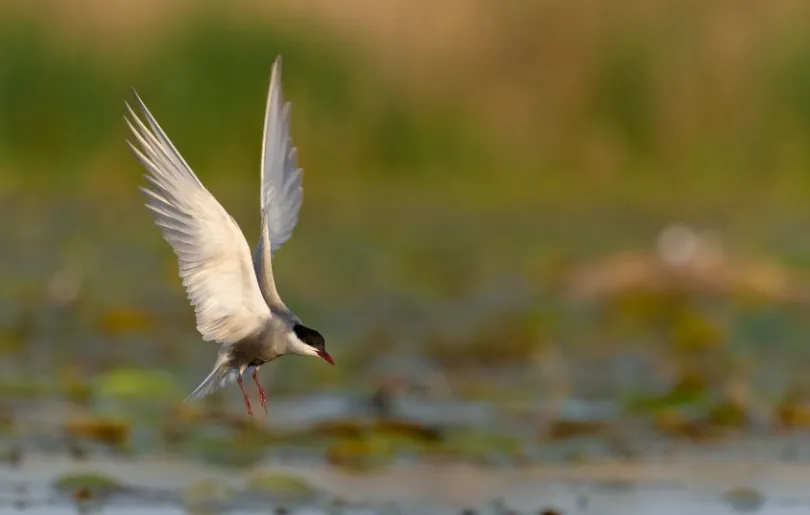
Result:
pixel 325 355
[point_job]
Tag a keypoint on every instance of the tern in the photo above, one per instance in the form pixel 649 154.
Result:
pixel 233 293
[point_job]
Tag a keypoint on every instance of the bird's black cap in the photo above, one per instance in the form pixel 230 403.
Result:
pixel 310 336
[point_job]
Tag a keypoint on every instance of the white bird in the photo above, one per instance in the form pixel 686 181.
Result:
pixel 234 297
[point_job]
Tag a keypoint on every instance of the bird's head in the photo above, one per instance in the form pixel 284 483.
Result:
pixel 309 342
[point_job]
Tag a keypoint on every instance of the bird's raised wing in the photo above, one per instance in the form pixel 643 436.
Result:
pixel 212 253
pixel 281 193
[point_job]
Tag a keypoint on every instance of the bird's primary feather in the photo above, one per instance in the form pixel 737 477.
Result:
pixel 281 191
pixel 213 256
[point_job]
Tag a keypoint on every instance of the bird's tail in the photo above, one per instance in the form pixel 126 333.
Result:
pixel 218 378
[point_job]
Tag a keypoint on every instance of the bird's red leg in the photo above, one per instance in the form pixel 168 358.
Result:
pixel 247 401
pixel 262 396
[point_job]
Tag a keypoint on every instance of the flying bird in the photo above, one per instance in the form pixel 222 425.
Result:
pixel 233 293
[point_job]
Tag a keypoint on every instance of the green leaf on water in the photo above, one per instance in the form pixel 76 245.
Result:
pixel 137 384
pixel 281 487
pixel 96 484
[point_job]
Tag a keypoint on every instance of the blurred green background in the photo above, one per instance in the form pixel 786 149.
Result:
pixel 531 201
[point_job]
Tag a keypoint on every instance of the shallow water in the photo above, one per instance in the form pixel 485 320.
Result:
pixel 686 485
pixel 110 300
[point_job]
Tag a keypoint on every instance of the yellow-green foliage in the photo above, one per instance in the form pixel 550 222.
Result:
pixel 561 101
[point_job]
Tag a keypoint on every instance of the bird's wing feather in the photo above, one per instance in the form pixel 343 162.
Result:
pixel 281 193
pixel 213 256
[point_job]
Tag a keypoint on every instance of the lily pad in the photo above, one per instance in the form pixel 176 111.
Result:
pixel 137 385
pixel 207 496
pixel 744 500
pixel 338 429
pixel 281 487
pixel 690 390
pixel 88 485
pixel 110 431
pixel 360 453
pixel 727 413
pixel 563 429
pixel 227 449
pixel 680 424
pixel 479 446
pixel 406 429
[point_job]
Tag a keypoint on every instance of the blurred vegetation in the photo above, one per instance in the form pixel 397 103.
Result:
pixel 575 103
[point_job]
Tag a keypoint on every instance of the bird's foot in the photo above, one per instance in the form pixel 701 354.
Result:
pixel 262 396
pixel 245 395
